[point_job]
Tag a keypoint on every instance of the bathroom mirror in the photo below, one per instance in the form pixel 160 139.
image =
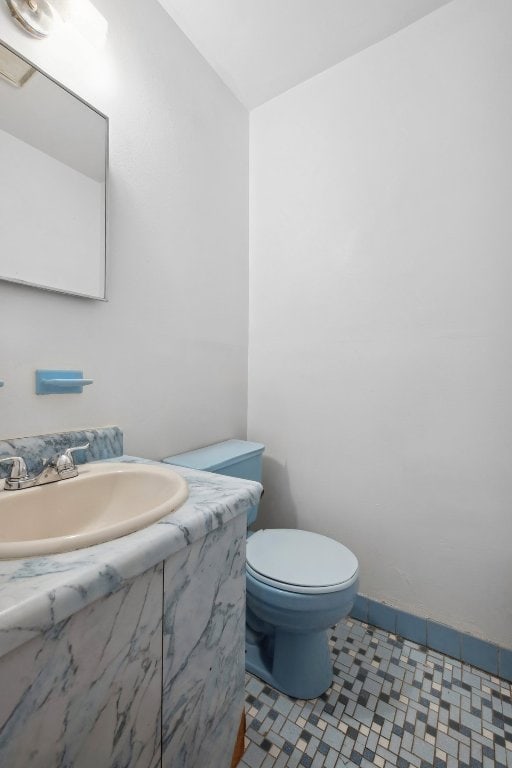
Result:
pixel 53 181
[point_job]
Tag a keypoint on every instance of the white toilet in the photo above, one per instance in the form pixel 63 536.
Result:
pixel 298 585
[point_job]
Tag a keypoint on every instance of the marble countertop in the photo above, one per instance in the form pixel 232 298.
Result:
pixel 37 593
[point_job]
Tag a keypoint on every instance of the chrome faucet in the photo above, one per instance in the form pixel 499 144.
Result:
pixel 60 467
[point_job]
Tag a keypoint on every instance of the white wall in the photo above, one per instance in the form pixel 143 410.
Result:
pixel 380 371
pixel 168 352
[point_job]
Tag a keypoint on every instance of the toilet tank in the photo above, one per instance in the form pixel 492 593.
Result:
pixel 236 458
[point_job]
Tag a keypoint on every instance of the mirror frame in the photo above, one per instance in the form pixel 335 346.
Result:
pixel 107 189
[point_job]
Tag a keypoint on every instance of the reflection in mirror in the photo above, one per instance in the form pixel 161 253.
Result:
pixel 53 161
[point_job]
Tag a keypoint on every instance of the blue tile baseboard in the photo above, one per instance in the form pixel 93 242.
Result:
pixel 440 637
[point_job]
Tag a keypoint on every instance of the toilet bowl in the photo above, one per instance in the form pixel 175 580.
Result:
pixel 299 584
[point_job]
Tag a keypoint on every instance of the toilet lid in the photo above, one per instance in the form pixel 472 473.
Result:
pixel 300 561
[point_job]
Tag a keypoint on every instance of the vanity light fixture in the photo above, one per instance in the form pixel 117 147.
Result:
pixel 13 69
pixel 35 16
pixel 39 17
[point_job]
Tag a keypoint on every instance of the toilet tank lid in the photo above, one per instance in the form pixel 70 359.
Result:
pixel 301 558
pixel 211 458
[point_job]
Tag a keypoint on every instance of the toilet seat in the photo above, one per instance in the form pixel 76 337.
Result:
pixel 300 561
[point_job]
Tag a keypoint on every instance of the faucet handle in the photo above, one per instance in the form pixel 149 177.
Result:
pixel 70 451
pixel 65 464
pixel 19 468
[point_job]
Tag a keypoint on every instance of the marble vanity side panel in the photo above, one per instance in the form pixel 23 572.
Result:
pixel 204 649
pixel 104 443
pixel 87 693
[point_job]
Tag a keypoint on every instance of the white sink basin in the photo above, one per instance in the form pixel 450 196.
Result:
pixel 104 502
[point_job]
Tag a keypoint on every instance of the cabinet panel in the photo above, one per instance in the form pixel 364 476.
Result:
pixel 88 692
pixel 204 649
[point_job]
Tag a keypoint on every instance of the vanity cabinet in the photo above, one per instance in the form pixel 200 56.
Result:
pixel 87 692
pixel 150 676
pixel 204 649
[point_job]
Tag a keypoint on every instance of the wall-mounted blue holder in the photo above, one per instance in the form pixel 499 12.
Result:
pixel 60 382
pixel 2 383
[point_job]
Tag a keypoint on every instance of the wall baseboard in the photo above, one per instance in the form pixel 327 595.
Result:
pixel 440 637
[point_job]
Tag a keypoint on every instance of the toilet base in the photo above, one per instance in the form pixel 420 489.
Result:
pixel 298 665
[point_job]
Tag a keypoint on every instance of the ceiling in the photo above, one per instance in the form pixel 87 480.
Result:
pixel 261 48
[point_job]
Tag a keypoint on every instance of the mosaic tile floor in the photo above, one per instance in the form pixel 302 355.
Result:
pixel 392 703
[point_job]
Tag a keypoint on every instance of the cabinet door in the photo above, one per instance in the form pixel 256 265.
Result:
pixel 87 693
pixel 204 649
